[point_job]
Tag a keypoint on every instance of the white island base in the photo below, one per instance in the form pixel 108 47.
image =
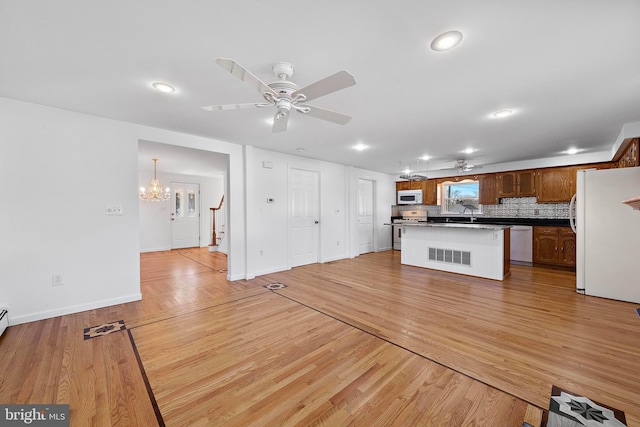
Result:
pixel 480 250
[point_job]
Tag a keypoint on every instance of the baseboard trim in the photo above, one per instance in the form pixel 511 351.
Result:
pixel 41 315
pixel 160 249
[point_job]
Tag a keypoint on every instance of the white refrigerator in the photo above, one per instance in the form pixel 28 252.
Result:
pixel 607 233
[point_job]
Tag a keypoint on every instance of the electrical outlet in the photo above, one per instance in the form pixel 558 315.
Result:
pixel 56 280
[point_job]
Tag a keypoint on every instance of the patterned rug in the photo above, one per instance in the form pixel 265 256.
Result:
pixel 568 409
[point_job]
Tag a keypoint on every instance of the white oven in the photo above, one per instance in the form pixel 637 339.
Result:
pixel 407 217
pixel 410 197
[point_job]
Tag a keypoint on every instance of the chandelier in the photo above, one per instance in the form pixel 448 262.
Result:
pixel 154 193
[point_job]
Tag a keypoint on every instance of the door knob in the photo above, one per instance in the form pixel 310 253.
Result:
pixel 316 222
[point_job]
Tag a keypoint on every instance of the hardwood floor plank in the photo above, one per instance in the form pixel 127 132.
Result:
pixel 352 342
pixel 513 335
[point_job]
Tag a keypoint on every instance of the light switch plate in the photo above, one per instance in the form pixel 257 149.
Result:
pixel 114 210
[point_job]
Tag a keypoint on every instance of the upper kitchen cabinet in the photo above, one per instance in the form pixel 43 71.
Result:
pixel 555 184
pixel 628 156
pixel 408 185
pixel 430 192
pixel 516 183
pixel 488 192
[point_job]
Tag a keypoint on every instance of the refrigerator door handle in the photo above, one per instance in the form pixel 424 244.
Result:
pixel 572 216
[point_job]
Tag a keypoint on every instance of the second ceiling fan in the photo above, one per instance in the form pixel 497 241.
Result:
pixel 286 95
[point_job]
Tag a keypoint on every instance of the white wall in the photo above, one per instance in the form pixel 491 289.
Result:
pixel 155 221
pixel 267 223
pixel 60 170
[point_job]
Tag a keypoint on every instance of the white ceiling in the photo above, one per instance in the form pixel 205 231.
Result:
pixel 570 70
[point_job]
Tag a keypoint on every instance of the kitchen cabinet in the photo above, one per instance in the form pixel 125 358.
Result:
pixel 555 184
pixel 408 185
pixel 430 192
pixel 429 189
pixel 629 157
pixel 516 183
pixel 554 246
pixel 488 191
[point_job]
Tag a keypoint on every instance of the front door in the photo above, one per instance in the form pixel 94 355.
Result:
pixel 303 217
pixel 185 215
pixel 365 216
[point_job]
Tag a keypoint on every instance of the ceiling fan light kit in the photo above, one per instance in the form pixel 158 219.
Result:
pixel 286 95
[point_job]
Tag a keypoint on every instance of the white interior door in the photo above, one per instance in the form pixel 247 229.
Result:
pixel 185 215
pixel 365 216
pixel 304 217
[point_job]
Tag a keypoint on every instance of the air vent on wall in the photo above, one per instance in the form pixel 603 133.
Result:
pixel 450 256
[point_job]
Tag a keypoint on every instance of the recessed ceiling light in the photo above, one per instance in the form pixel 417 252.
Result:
pixel 502 114
pixel 300 150
pixel 446 40
pixel 468 150
pixel 572 150
pixel 163 87
pixel 360 147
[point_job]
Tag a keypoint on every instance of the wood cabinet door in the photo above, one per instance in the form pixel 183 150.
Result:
pixel 488 192
pixel 430 192
pixel 545 245
pixel 507 184
pixel 403 185
pixel 526 183
pixel 415 185
pixel 567 246
pixel 555 185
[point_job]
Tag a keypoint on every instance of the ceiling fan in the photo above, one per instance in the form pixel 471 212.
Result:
pixel 461 165
pixel 286 95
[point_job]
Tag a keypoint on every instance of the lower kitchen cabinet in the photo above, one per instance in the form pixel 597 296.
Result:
pixel 554 246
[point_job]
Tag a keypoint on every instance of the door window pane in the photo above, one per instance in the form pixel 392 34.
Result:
pixel 191 202
pixel 179 202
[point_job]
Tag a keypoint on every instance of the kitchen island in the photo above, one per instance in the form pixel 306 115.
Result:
pixel 480 250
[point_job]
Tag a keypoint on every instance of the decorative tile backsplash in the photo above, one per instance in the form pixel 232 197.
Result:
pixel 511 207
pixel 526 207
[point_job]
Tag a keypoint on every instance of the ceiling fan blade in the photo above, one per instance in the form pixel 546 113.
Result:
pixel 231 106
pixel 328 115
pixel 280 123
pixel 245 75
pixel 335 82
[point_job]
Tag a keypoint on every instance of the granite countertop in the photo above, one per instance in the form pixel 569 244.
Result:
pixel 474 226
pixel 553 222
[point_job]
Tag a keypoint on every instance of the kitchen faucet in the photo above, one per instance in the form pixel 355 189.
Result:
pixel 471 208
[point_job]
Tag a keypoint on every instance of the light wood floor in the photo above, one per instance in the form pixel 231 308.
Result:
pixel 364 341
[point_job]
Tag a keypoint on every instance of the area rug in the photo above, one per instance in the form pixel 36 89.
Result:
pixel 567 409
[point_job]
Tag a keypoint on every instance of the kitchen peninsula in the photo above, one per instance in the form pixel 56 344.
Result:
pixel 480 250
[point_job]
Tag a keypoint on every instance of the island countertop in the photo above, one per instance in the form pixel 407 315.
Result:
pixel 456 225
pixel 476 226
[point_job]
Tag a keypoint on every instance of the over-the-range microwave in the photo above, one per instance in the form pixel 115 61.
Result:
pixel 410 197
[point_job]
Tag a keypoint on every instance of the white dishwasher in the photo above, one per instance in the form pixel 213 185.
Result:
pixel 522 243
